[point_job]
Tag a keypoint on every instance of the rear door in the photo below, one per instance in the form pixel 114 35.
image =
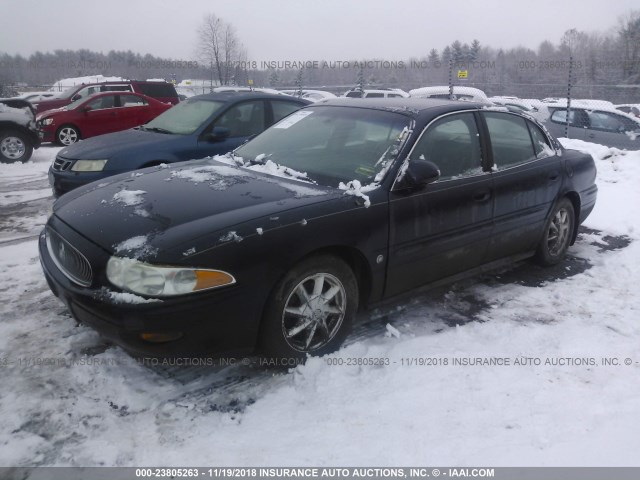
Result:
pixel 527 175
pixel 444 228
pixel 133 111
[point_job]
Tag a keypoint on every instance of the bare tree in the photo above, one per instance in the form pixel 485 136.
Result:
pixel 629 32
pixel 220 48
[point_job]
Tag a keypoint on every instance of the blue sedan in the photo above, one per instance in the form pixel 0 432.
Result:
pixel 197 127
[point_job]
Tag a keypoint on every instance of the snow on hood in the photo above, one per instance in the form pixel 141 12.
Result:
pixel 16 115
pixel 200 197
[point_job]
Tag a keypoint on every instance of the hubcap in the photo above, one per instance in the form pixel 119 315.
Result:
pixel 67 136
pixel 314 311
pixel 13 148
pixel 558 234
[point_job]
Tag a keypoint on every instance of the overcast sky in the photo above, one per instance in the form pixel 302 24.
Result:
pixel 299 29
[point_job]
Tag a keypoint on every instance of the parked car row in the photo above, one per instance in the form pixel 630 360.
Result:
pixel 197 127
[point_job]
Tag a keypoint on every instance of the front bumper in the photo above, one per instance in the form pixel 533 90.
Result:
pixel 47 134
pixel 222 322
pixel 64 181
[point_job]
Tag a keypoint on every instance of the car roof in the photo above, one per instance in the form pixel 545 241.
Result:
pixel 412 106
pixel 238 96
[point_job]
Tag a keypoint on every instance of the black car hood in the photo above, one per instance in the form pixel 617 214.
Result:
pixel 112 144
pixel 177 204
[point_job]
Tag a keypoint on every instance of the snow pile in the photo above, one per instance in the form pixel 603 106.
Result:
pixel 136 247
pixel 65 83
pixel 355 188
pixel 133 243
pixel 218 177
pixel 129 198
pixel 125 297
pixel 231 236
pixel 16 115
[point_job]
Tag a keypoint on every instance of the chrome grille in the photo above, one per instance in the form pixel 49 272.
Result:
pixel 68 259
pixel 61 164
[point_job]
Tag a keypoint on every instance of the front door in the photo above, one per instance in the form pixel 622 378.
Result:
pixel 444 228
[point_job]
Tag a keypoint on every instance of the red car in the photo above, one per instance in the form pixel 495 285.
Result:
pixel 100 113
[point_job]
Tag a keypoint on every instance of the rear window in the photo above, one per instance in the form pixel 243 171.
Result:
pixel 157 90
pixel 510 140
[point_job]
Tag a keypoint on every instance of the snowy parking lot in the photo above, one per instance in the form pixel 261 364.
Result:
pixel 525 366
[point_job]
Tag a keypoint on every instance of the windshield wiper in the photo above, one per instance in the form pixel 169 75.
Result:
pixel 155 129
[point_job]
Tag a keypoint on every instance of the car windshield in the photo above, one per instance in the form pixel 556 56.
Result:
pixel 184 118
pixel 331 144
pixel 68 92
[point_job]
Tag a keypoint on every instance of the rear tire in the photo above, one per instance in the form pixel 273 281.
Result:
pixel 310 310
pixel 15 146
pixel 557 235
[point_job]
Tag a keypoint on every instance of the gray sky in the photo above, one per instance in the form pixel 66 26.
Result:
pixel 299 29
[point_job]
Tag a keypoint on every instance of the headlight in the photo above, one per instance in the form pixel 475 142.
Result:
pixel 47 121
pixel 89 165
pixel 155 281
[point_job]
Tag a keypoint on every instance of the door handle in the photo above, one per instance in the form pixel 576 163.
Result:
pixel 482 196
pixel 591 135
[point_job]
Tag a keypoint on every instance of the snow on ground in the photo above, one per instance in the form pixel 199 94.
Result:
pixel 68 398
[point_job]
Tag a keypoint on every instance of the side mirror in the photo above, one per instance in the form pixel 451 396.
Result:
pixel 419 174
pixel 87 108
pixel 76 97
pixel 218 134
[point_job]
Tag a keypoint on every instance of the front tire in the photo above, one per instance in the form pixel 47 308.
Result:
pixel 311 309
pixel 67 135
pixel 15 147
pixel 557 235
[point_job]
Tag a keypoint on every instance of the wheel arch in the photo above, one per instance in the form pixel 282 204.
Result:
pixel 354 259
pixel 358 263
pixel 574 198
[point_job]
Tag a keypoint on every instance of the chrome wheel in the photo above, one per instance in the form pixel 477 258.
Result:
pixel 13 148
pixel 67 135
pixel 559 230
pixel 313 312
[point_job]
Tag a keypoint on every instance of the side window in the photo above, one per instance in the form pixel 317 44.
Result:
pixel 560 116
pixel 132 101
pixel 103 102
pixel 577 118
pixel 610 122
pixel 374 95
pixel 86 91
pixel 282 109
pixel 540 142
pixel 510 140
pixel 115 88
pixel 243 120
pixel 453 144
